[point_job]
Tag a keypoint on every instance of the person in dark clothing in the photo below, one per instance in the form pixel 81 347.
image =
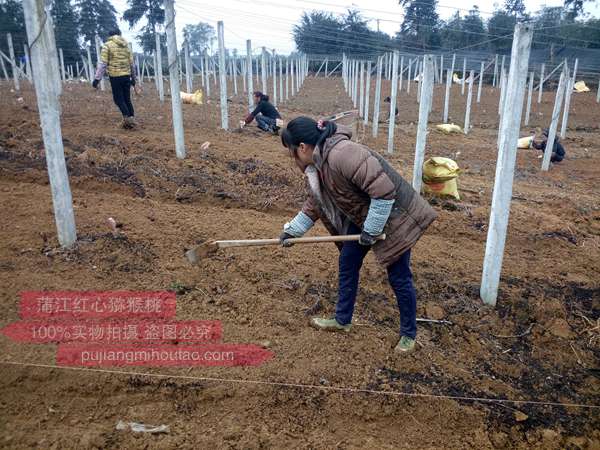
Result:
pixel 389 100
pixel 558 151
pixel 266 115
pixel 117 60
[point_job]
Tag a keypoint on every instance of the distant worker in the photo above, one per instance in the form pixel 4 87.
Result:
pixel 389 100
pixel 266 115
pixel 541 139
pixel 117 60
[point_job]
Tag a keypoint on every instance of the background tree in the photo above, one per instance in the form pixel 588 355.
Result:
pixel 147 40
pixel 515 7
pixel 357 38
pixel 318 33
pixel 12 21
pixel 154 14
pixel 574 8
pixel 96 17
pixel 322 33
pixel 198 36
pixel 419 29
pixel 474 32
pixel 547 29
pixel 66 31
pixel 451 32
pixel 501 24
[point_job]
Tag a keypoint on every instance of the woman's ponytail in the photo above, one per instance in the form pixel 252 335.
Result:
pixel 327 129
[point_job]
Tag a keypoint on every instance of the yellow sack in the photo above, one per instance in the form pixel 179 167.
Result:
pixel 581 87
pixel 439 177
pixel 193 99
pixel 449 128
pixel 525 142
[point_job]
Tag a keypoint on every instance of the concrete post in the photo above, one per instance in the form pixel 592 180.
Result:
pixel 287 78
pixel 222 76
pixel 98 45
pixel 409 78
pixel 42 43
pixel 63 76
pixel 3 68
pixel 367 93
pixel 354 82
pixel 464 77
pixel 392 124
pixel 541 86
pixel 481 72
pixel 447 98
pixel 174 79
pixel 558 100
pixel 424 109
pixel 249 73
pixel 206 75
pixel 90 69
pixel 495 80
pixel 274 75
pixel 13 63
pixel 467 124
pixel 293 77
pixel 28 63
pixel 158 72
pixel 401 73
pixel 505 166
pixel 377 104
pixel 529 94
pixel 281 80
pixel 189 70
pixel 361 100
pixel 569 92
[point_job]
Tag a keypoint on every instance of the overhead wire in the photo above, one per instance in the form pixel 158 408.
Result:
pixel 373 44
pixel 368 37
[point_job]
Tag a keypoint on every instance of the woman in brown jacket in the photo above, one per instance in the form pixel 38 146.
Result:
pixel 354 190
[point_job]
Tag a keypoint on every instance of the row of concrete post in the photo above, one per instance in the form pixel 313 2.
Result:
pixel 46 76
pixel 512 84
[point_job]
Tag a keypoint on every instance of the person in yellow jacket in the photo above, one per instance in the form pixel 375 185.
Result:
pixel 117 60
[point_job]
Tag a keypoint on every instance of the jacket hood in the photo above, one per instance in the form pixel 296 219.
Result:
pixel 343 133
pixel 118 40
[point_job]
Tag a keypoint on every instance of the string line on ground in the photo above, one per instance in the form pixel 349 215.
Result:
pixel 339 389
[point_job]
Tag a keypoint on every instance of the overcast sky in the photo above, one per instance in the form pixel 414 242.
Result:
pixel 269 22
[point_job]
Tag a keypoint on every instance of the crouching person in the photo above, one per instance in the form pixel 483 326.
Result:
pixel 353 190
pixel 558 151
pixel 266 115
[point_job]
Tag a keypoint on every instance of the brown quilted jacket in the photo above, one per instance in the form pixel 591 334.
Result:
pixel 350 175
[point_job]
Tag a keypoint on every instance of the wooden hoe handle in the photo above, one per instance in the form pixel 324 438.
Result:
pixel 302 240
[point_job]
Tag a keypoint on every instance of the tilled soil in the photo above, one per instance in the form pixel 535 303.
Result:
pixel 541 343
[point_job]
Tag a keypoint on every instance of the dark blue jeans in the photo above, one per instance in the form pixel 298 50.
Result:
pixel 265 123
pixel 399 276
pixel 121 91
